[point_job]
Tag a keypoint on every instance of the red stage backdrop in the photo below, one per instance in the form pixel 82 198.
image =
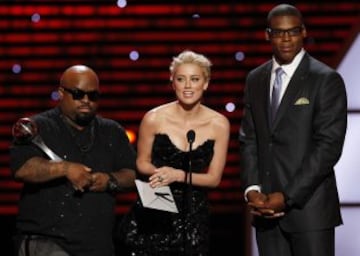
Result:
pixel 131 47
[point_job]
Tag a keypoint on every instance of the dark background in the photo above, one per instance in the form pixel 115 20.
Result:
pixel 101 35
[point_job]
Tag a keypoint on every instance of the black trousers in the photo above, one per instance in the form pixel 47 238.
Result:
pixel 276 242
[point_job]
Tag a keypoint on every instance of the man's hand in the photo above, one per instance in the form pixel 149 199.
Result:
pixel 256 201
pixel 276 201
pixel 79 175
pixel 268 206
pixel 99 181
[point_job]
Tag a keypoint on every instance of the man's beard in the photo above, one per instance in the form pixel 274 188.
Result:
pixel 84 119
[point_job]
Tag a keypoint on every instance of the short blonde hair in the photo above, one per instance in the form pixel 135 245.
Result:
pixel 188 56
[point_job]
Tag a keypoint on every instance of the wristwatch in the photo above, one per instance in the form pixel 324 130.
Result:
pixel 112 184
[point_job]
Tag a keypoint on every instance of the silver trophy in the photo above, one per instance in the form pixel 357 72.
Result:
pixel 25 131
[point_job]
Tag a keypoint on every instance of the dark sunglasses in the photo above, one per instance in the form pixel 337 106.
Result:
pixel 277 33
pixel 78 94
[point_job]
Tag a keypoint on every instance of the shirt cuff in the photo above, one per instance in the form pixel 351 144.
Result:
pixel 252 187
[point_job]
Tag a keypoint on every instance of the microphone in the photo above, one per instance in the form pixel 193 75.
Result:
pixel 190 136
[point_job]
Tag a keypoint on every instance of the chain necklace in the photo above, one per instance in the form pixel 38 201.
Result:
pixel 85 138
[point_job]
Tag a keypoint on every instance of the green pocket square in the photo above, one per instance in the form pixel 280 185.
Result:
pixel 302 101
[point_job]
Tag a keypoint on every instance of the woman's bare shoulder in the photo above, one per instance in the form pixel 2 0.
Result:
pixel 158 113
pixel 218 119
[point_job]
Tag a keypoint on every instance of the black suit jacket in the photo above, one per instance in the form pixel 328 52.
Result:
pixel 296 155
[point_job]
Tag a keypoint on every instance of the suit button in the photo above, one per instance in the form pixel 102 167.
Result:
pixel 267 173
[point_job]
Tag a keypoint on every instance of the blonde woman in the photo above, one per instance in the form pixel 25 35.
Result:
pixel 163 159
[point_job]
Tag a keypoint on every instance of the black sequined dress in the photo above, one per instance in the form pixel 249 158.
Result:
pixel 152 232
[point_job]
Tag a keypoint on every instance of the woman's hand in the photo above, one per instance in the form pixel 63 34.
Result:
pixel 166 175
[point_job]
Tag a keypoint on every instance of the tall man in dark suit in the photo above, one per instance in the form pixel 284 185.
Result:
pixel 289 148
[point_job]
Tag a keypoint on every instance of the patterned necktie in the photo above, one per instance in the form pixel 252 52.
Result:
pixel 275 95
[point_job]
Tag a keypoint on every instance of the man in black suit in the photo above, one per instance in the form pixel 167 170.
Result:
pixel 288 154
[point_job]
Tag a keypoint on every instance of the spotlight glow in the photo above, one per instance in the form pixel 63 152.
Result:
pixel 131 135
pixel 55 96
pixel 239 56
pixel 134 55
pixel 16 68
pixel 230 107
pixel 35 17
pixel 121 3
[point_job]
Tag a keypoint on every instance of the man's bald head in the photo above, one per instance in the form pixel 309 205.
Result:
pixel 75 73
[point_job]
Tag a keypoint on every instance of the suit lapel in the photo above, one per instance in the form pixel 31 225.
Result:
pixel 263 91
